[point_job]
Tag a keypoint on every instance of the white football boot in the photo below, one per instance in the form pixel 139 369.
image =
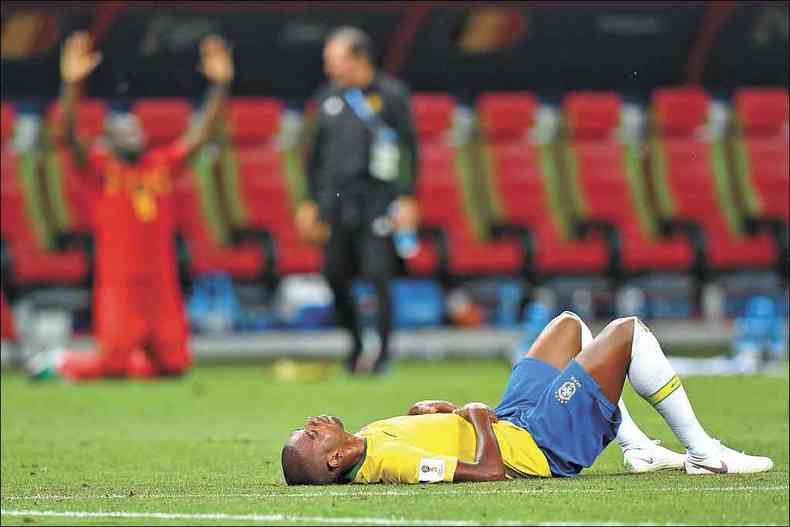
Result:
pixel 727 461
pixel 652 458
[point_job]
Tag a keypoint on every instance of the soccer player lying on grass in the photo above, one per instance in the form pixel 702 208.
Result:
pixel 560 409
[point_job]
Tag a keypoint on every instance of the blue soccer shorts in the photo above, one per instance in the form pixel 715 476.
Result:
pixel 566 413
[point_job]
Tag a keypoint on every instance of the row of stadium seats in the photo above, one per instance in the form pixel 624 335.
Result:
pixel 588 200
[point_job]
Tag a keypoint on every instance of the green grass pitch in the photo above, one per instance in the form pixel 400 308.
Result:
pixel 205 450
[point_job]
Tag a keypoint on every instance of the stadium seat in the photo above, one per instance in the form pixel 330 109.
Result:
pixel 440 174
pixel 254 119
pixel 163 119
pixel 245 261
pixel 524 188
pixel 91 114
pixel 206 222
pixel 260 169
pixel 7 327
pixel 691 175
pixel 25 229
pixel 608 187
pixel 7 116
pixel 761 152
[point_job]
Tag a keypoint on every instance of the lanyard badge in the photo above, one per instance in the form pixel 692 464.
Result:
pixel 384 151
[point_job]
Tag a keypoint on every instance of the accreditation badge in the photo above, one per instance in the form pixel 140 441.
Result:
pixel 384 154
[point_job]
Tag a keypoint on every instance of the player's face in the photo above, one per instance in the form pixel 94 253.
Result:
pixel 338 62
pixel 127 136
pixel 320 435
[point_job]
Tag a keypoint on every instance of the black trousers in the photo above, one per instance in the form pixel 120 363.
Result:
pixel 357 248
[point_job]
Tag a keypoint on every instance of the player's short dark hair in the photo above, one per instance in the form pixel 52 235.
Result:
pixel 298 470
pixel 360 44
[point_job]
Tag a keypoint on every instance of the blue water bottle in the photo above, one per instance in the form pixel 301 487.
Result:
pixel 406 242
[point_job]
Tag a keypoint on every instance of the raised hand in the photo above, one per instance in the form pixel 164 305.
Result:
pixel 216 62
pixel 78 59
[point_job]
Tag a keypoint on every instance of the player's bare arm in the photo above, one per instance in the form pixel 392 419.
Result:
pixel 432 407
pixel 488 464
pixel 78 60
pixel 216 63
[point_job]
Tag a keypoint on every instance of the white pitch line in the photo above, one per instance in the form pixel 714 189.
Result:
pixel 285 518
pixel 388 493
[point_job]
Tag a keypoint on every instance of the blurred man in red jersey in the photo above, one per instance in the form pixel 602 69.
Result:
pixel 139 318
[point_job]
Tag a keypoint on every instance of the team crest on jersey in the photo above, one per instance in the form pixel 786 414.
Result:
pixel 567 390
pixel 333 105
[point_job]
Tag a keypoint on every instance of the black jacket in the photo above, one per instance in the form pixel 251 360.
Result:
pixel 339 157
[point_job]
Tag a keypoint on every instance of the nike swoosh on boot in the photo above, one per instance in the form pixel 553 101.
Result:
pixel 715 470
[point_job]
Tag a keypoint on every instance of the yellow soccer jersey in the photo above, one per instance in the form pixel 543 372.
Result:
pixel 427 448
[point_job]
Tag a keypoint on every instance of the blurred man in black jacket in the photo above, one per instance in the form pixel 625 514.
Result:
pixel 362 172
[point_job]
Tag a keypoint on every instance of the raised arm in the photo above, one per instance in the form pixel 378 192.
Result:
pixel 77 61
pixel 488 464
pixel 216 63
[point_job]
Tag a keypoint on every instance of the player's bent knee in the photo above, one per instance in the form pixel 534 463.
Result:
pixel 622 330
pixel 175 365
pixel 566 321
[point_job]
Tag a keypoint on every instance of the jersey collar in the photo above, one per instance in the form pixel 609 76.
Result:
pixel 352 474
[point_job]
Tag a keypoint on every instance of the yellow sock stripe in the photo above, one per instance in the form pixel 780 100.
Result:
pixel 665 391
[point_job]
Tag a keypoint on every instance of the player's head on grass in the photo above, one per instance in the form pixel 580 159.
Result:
pixel 321 453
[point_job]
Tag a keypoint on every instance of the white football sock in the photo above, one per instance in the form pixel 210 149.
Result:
pixel 629 434
pixel 655 380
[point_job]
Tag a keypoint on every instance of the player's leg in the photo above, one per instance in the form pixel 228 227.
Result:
pixel 169 336
pixel 339 264
pixel 119 331
pixel 378 265
pixel 627 348
pixel 563 339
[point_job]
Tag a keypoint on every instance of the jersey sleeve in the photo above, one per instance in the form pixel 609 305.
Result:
pixel 403 463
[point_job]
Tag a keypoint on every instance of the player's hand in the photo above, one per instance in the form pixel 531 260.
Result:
pixel 407 214
pixel 470 410
pixel 216 62
pixel 308 225
pixel 432 407
pixel 78 58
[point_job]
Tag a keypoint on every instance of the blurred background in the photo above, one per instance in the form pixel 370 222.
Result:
pixel 606 157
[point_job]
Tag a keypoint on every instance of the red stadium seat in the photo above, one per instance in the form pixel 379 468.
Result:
pixel 608 191
pixel 7 117
pixel 761 151
pixel 269 208
pixel 254 123
pixel 91 114
pixel 33 262
pixel 245 261
pixel 7 327
pixel 433 116
pixel 522 186
pixel 468 254
pixel 691 173
pixel 164 119
pixel 506 117
pixel 254 120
